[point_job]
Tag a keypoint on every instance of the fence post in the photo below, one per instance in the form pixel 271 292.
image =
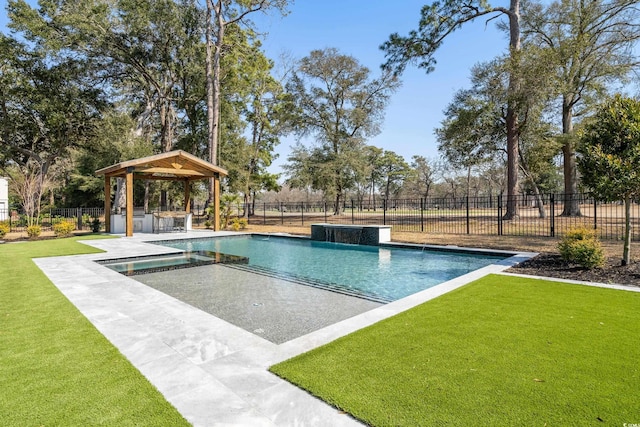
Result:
pixel 468 224
pixel 353 218
pixel 302 212
pixel 325 211
pixel 595 213
pixel 79 216
pixel 552 223
pixel 281 214
pixel 264 213
pixel 499 214
pixel 422 214
pixel 384 211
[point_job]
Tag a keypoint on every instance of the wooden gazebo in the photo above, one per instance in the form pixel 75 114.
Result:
pixel 171 166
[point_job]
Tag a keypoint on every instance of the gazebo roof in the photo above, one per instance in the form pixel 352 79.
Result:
pixel 173 165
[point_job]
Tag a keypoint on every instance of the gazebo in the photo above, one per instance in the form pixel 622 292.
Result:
pixel 171 166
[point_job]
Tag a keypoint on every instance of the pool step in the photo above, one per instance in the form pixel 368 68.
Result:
pixel 308 282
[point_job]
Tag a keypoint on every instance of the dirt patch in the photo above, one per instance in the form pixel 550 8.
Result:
pixel 552 265
pixel 45 235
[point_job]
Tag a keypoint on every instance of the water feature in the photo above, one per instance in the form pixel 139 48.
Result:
pixel 351 234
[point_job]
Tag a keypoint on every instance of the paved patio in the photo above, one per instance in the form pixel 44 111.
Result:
pixel 213 372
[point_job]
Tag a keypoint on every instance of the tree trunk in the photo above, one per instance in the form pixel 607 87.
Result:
pixel 626 253
pixel 247 200
pixel 512 113
pixel 536 191
pixel 213 83
pixel 146 195
pixel 338 207
pixel 542 213
pixel 571 202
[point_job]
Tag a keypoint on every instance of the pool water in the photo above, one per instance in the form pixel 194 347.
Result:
pixel 382 273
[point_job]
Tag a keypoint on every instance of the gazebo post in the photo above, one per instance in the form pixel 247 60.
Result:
pixel 107 204
pixel 187 196
pixel 216 202
pixel 129 185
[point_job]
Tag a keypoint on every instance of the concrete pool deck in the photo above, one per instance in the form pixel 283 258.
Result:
pixel 213 372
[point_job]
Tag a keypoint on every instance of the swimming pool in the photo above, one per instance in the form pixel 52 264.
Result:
pixel 380 273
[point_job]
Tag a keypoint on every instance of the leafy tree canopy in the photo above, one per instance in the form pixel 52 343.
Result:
pixel 609 157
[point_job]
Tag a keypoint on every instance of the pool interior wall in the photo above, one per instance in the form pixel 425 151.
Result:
pixel 380 273
pixel 273 307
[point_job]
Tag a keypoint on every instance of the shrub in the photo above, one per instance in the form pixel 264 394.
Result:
pixel 207 224
pixel 95 225
pixel 34 231
pixel 63 229
pixel 582 247
pixel 86 220
pixel 238 224
pixel 4 228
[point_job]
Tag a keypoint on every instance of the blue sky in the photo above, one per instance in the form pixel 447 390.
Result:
pixel 357 28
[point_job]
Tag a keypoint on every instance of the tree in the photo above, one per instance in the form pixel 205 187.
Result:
pixel 393 171
pixel 47 109
pixel 29 182
pixel 142 49
pixel 422 176
pixel 437 21
pixel 143 54
pixel 609 157
pixel 220 15
pixel 372 172
pixel 336 102
pixel 115 141
pixel 474 129
pixel 265 110
pixel 590 45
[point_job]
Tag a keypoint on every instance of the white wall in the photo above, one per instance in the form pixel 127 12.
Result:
pixel 4 199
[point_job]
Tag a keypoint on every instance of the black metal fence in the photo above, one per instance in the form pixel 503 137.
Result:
pixel 462 215
pixel 82 218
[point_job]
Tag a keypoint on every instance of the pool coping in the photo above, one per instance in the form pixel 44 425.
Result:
pixel 213 372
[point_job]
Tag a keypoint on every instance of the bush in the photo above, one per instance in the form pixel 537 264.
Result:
pixel 34 231
pixel 239 224
pixel 87 221
pixel 582 247
pixel 95 225
pixel 4 228
pixel 207 224
pixel 63 229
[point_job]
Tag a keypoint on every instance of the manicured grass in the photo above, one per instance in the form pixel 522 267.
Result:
pixel 500 351
pixel 55 367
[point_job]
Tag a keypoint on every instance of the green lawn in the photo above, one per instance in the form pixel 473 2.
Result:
pixel 500 351
pixel 56 369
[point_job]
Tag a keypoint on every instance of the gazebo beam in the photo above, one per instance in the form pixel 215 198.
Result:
pixel 175 172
